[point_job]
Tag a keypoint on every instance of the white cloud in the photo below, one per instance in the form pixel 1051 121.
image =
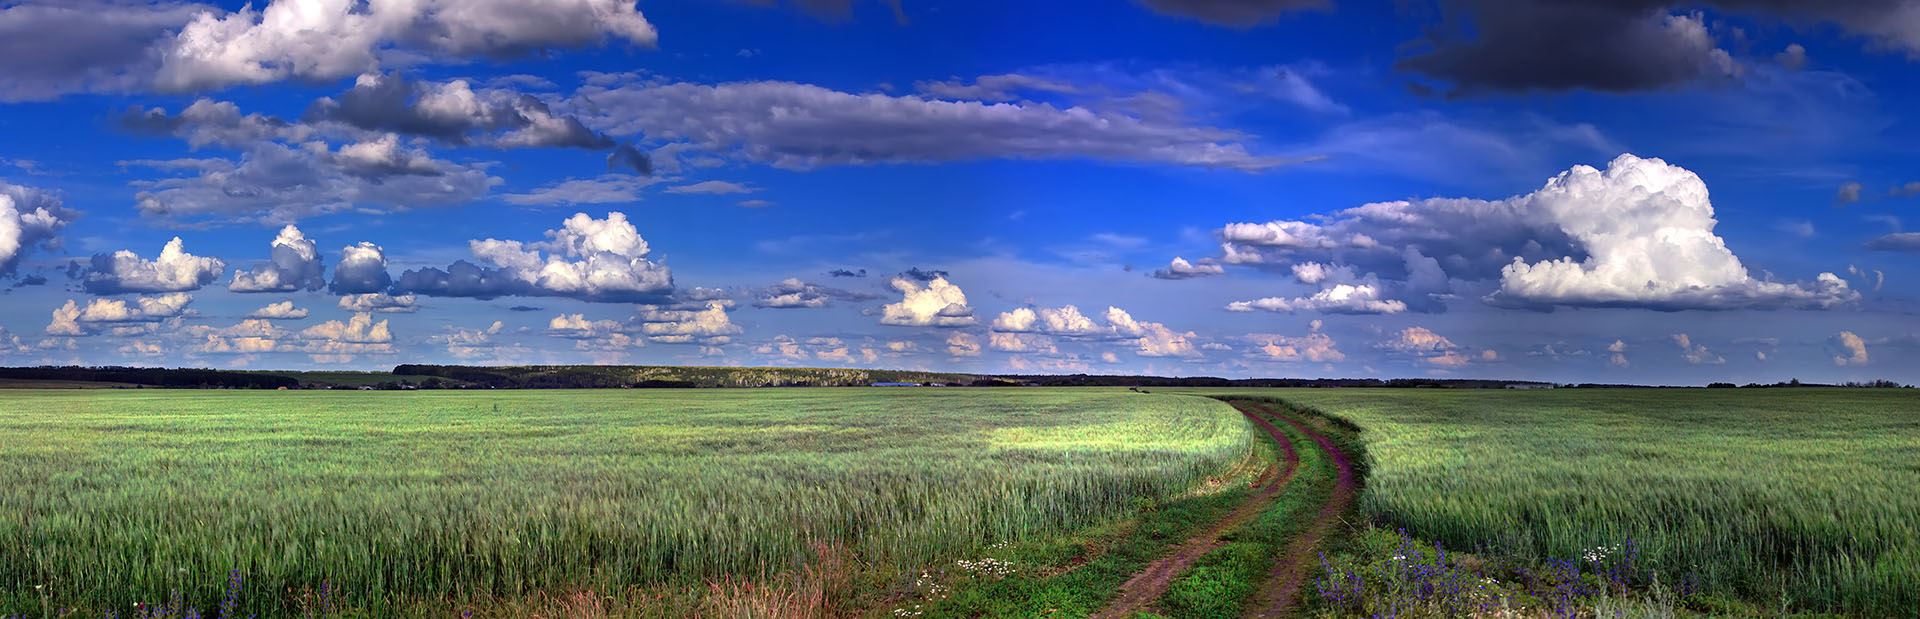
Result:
pixel 29 218
pixel 709 327
pixel 1021 342
pixel 962 344
pixel 1152 339
pixel 589 259
pixel 1639 234
pixel 1696 354
pixel 1853 349
pixel 1315 347
pixel 938 304
pixel 328 39
pixel 1336 299
pixel 1065 320
pixel 1618 354
pixel 283 310
pixel 73 319
pixel 1180 268
pixel 295 265
pixel 379 302
pixel 174 270
pixel 474 343
pixel 335 341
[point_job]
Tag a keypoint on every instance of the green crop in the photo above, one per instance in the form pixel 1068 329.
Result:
pixel 1807 496
pixel 108 498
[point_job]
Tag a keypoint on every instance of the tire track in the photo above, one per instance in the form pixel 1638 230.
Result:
pixel 1146 587
pixel 1280 594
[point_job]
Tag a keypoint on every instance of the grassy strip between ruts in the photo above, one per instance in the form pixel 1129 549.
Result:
pixel 1222 583
pixel 1075 574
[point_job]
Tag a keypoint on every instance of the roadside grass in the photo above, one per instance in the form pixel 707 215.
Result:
pixel 1221 583
pixel 1077 573
pixel 1747 503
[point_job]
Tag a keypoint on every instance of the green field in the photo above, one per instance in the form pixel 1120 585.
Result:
pixel 1809 497
pixel 411 500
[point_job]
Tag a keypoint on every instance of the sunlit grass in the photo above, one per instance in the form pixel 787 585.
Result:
pixel 108 498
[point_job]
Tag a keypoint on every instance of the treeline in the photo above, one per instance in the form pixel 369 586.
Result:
pixel 152 377
pixel 649 376
pixel 1118 380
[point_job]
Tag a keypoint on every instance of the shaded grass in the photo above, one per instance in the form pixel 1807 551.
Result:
pixel 1803 498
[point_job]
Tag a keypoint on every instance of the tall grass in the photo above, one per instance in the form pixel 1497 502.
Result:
pixel 110 498
pixel 1811 496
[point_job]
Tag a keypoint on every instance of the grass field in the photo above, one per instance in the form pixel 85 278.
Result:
pixel 1809 497
pixel 413 499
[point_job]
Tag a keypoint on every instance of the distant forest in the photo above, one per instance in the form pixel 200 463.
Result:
pixel 412 376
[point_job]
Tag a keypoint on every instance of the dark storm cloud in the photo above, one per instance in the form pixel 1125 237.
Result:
pixel 847 273
pixel 916 273
pixel 1486 46
pixel 626 157
pixel 1552 45
pixel 1234 13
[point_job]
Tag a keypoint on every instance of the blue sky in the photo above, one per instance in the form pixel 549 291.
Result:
pixel 1638 192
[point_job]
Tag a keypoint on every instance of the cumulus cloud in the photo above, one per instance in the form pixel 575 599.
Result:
pixel 174 270
pixel 794 293
pixel 1065 320
pixel 379 302
pixel 1233 13
pixel 938 303
pixel 1853 349
pixel 802 126
pixel 1315 346
pixel 1696 354
pixel 1638 234
pixel 1432 348
pixel 709 326
pixel 29 218
pixel 587 258
pixel 283 310
pixel 1180 268
pixel 335 341
pixel 1152 339
pixel 362 270
pixel 294 265
pixel 1021 342
pixel 471 344
pixel 962 344
pixel 208 122
pixel 334 39
pixel 1618 354
pixel 73 319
